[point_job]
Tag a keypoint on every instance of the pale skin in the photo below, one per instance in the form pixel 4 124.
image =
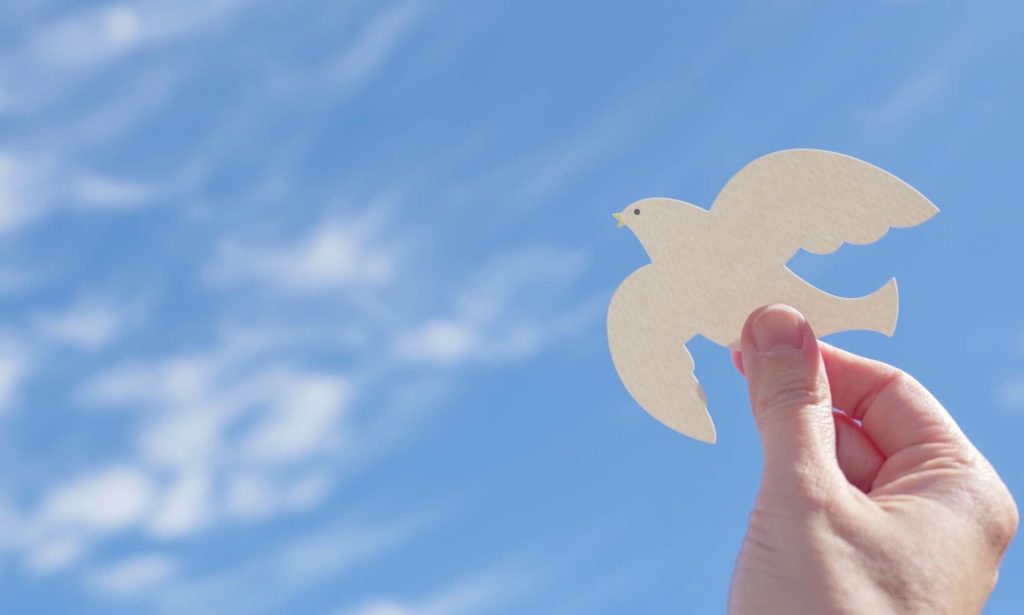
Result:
pixel 879 506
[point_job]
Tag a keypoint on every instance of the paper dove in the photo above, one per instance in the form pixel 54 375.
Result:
pixel 711 268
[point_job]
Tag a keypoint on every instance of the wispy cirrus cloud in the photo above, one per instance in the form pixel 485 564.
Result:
pixel 268 437
pixel 42 171
pixel 30 193
pixel 378 39
pixel 332 255
pixel 503 312
pixel 920 89
pixel 15 366
pixel 18 206
pixel 43 168
pixel 1010 394
pixel 249 418
pixel 202 415
pixel 909 98
pixel 103 192
pixel 572 156
pixel 268 432
pixel 68 47
pixel 89 323
pixel 82 510
pixel 478 594
pixel 133 575
pixel 293 565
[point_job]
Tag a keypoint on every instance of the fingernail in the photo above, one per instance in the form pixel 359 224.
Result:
pixel 778 328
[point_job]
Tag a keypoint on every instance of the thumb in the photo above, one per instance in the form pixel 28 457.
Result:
pixel 790 397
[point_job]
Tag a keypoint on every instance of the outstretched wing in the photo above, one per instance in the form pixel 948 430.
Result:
pixel 815 200
pixel 647 340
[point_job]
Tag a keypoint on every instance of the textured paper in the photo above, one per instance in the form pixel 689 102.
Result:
pixel 710 269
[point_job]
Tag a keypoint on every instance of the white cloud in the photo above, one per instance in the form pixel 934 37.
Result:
pixel 909 99
pixel 15 280
pixel 307 491
pixel 329 552
pixel 12 526
pixel 103 501
pixel 32 186
pixel 90 37
pixel 186 407
pixel 250 496
pixel 88 324
pixel 536 176
pixel 519 277
pixel 262 583
pixel 238 431
pixel 441 341
pixel 505 312
pixel 381 606
pixel 182 438
pixel 221 434
pixel 133 575
pixel 54 553
pixel 87 38
pixel 180 380
pixel 12 372
pixel 76 513
pixel 333 255
pixel 100 192
pixel 143 95
pixel 184 507
pixel 255 495
pixel 121 26
pixel 478 594
pixel 302 421
pixel 551 169
pixel 1011 393
pixel 922 88
pixel 378 41
pixel 217 419
pixel 17 205
pixel 73 46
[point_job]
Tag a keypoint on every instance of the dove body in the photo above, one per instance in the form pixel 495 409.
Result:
pixel 723 282
pixel 709 269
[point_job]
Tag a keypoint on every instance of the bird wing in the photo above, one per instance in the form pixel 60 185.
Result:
pixel 815 200
pixel 647 340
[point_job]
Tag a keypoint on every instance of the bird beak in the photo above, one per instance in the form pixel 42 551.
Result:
pixel 618 217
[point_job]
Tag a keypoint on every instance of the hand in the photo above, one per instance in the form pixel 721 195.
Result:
pixel 881 506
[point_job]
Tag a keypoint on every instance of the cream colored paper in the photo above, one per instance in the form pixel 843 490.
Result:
pixel 711 268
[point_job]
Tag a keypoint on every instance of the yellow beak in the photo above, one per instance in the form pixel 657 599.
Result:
pixel 619 218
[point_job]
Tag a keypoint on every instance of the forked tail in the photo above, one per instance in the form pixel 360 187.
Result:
pixel 874 312
pixel 879 310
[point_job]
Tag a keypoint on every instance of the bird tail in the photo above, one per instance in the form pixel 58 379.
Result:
pixel 881 308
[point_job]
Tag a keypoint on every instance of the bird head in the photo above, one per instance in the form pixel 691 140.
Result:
pixel 659 222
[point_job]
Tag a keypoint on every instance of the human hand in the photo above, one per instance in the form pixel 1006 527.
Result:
pixel 883 506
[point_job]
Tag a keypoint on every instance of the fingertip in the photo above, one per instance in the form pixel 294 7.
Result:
pixel 774 328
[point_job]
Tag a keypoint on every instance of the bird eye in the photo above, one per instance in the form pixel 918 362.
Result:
pixel 636 212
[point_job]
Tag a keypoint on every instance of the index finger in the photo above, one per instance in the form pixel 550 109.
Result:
pixel 895 410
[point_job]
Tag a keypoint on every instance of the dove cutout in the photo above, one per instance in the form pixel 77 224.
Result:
pixel 710 269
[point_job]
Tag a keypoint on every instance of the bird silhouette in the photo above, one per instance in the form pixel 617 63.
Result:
pixel 710 269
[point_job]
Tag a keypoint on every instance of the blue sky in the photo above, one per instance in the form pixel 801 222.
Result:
pixel 303 302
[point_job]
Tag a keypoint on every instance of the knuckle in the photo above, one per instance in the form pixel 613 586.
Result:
pixel 1004 520
pixel 994 509
pixel 897 383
